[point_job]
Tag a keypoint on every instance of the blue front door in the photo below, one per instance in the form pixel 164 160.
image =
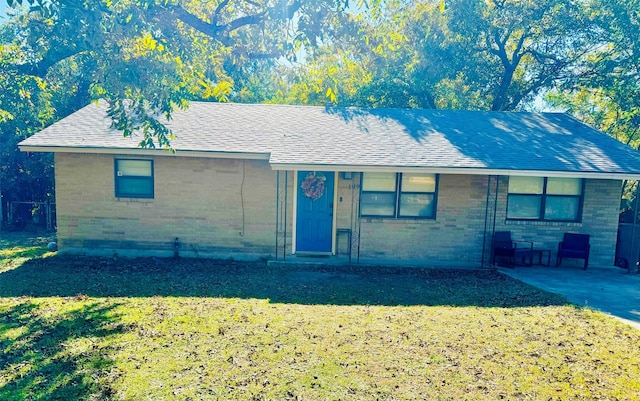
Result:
pixel 314 220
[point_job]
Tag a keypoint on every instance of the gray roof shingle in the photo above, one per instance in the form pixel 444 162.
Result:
pixel 366 138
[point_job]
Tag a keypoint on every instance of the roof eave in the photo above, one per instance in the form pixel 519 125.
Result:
pixel 333 167
pixel 461 171
pixel 147 152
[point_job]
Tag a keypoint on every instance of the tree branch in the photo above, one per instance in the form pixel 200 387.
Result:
pixel 179 13
pixel 216 13
pixel 59 52
pixel 516 56
pixel 243 21
pixel 52 57
pixel 221 32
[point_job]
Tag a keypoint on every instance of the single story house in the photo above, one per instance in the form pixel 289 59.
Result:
pixel 427 187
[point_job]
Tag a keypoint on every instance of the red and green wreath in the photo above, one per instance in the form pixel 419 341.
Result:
pixel 313 186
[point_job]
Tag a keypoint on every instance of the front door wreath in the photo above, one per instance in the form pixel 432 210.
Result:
pixel 313 185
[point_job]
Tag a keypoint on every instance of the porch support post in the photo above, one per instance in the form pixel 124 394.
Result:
pixel 634 250
pixel 486 224
pixel 490 214
pixel 285 202
pixel 277 230
pixel 355 217
pixel 1 211
pixel 281 213
pixel 495 212
pixel 495 204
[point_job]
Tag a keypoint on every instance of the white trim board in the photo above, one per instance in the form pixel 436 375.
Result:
pixel 335 168
pixel 462 171
pixel 149 152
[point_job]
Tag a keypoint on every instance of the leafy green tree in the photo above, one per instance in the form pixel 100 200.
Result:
pixel 521 47
pixel 606 93
pixel 145 57
pixel 488 55
pixel 148 57
pixel 27 104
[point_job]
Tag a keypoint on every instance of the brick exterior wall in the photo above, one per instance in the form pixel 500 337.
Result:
pixel 205 203
pixel 457 234
pixel 454 237
pixel 197 200
pixel 599 220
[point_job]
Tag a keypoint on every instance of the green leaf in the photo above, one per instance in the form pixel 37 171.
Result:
pixel 331 95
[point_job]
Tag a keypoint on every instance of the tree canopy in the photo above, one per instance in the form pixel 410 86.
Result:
pixel 149 57
pixel 489 55
pixel 145 57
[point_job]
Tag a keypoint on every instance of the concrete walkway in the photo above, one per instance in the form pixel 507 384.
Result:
pixel 612 290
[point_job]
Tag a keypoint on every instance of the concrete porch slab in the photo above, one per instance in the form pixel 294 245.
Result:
pixel 343 260
pixel 610 290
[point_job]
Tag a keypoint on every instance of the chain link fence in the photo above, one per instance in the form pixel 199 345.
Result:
pixel 31 215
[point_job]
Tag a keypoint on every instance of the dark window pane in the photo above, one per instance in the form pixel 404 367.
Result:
pixel 562 208
pixel 134 187
pixel 561 198
pixel 378 204
pixel 523 207
pixel 417 205
pixel 134 178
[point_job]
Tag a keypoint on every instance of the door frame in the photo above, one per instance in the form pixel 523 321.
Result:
pixel 334 220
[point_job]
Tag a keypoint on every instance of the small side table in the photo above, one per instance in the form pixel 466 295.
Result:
pixel 542 253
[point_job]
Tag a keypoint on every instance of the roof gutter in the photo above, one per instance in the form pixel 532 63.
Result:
pixel 459 170
pixel 147 152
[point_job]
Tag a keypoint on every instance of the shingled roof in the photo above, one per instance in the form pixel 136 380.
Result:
pixel 352 139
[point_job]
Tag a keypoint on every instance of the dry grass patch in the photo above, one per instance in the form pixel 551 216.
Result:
pixel 16 248
pixel 250 349
pixel 104 329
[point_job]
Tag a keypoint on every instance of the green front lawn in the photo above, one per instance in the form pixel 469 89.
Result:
pixel 16 248
pixel 150 329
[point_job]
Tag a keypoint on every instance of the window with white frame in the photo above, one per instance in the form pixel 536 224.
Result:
pixel 545 198
pixel 399 195
pixel 134 178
